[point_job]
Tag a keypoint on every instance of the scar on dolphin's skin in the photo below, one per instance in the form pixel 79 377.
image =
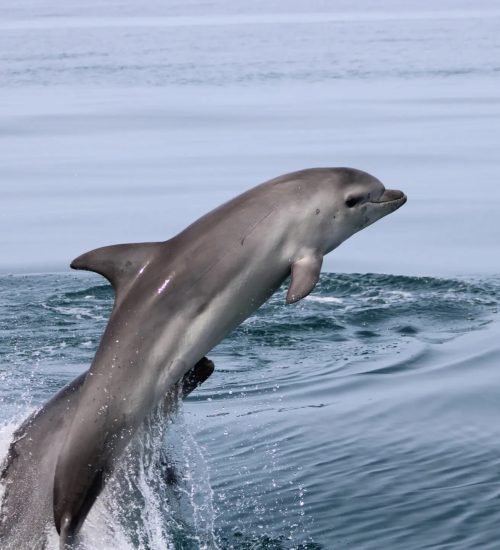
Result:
pixel 256 224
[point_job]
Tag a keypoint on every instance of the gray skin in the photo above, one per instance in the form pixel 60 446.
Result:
pixel 26 513
pixel 175 300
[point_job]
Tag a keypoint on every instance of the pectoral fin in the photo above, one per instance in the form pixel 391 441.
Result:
pixel 305 275
pixel 196 376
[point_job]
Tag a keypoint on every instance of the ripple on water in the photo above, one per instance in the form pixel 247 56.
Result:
pixel 364 416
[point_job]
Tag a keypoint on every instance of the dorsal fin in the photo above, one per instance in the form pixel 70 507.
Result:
pixel 119 263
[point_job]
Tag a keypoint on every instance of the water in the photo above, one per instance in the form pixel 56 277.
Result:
pixel 363 417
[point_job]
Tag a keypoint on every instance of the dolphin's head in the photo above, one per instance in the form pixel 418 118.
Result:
pixel 352 200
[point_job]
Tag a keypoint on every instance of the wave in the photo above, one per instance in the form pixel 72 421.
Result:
pixel 227 474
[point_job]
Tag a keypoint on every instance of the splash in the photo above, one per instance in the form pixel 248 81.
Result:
pixel 159 497
pixel 7 430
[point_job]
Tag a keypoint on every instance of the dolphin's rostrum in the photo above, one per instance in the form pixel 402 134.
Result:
pixel 175 300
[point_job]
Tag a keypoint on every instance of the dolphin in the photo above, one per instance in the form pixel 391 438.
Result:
pixel 175 300
pixel 26 512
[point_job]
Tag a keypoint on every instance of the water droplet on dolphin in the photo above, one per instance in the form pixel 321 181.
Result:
pixel 164 285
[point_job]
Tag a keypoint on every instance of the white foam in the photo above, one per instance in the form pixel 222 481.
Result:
pixel 399 294
pixel 325 299
pixel 6 432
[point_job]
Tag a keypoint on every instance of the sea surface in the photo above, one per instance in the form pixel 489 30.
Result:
pixel 363 417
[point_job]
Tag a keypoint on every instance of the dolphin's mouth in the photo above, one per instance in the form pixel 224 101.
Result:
pixel 391 197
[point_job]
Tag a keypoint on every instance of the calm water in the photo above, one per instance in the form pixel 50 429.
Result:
pixel 364 417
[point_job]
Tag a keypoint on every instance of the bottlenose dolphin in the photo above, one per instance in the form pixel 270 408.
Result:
pixel 26 512
pixel 175 300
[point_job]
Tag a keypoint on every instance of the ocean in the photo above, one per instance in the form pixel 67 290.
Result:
pixel 363 417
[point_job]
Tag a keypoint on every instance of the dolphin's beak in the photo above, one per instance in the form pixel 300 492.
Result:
pixel 389 201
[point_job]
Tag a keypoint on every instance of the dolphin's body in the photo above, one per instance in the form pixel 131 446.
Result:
pixel 26 512
pixel 175 300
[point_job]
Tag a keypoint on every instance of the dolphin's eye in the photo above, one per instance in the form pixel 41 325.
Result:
pixel 353 201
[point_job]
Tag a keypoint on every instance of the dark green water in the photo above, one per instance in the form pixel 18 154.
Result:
pixel 364 417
